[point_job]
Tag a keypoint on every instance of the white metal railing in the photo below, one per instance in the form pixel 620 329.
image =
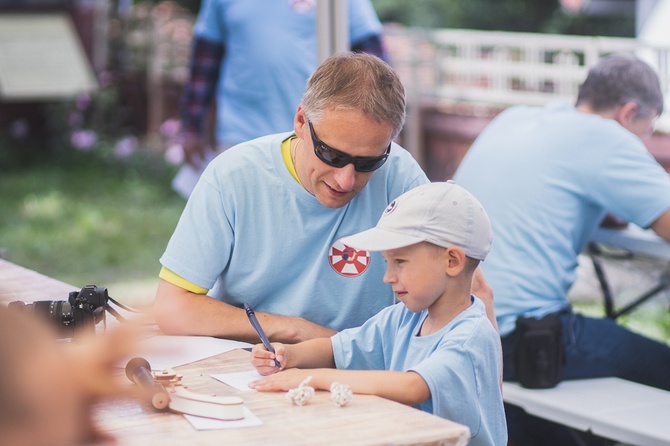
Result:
pixel 504 68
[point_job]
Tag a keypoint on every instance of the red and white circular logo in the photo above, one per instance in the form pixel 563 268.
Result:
pixel 346 261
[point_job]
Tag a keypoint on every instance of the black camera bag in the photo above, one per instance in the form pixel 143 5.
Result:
pixel 540 353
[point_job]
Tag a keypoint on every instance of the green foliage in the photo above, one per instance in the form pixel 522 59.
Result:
pixel 561 23
pixel 508 15
pixel 91 220
pixel 191 5
pixel 652 321
pixel 82 199
pixel 69 129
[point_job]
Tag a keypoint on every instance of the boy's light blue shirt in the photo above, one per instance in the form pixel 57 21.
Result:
pixel 460 363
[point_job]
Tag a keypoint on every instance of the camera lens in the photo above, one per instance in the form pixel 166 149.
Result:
pixel 58 312
pixel 16 306
pixel 55 310
pixel 75 316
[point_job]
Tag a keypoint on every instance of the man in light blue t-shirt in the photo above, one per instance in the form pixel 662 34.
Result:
pixel 547 176
pixel 263 223
pixel 251 59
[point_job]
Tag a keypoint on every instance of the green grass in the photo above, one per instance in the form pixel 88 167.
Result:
pixel 89 220
pixel 628 277
pixel 649 321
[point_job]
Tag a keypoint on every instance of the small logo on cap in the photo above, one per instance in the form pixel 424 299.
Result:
pixel 346 261
pixel 391 207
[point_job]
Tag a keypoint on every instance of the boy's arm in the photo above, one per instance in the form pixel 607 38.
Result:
pixel 182 312
pixel 403 387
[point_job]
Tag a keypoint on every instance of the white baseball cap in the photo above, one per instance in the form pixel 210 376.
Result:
pixel 442 213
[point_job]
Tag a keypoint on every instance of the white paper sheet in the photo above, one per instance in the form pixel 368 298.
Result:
pixel 164 352
pixel 201 423
pixel 188 176
pixel 238 380
pixel 185 180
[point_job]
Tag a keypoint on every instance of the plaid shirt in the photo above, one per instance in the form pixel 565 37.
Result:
pixel 204 74
pixel 199 90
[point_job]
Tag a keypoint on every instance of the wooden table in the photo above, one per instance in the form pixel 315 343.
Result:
pixel 18 283
pixel 366 420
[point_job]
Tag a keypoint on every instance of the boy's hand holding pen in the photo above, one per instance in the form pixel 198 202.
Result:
pixel 264 361
pixel 259 355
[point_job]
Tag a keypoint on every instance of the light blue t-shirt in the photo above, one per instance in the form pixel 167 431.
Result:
pixel 251 233
pixel 271 50
pixel 460 363
pixel 546 177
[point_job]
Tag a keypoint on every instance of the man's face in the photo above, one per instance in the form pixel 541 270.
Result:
pixel 348 131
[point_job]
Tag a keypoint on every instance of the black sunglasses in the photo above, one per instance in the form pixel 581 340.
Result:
pixel 335 158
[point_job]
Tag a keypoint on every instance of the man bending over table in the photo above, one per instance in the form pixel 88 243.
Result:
pixel 547 176
pixel 263 223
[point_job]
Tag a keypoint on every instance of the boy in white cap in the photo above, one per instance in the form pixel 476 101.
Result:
pixel 437 351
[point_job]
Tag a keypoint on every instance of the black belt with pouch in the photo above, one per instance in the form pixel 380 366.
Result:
pixel 540 353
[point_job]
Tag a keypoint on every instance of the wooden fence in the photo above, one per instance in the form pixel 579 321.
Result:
pixel 458 80
pixel 504 68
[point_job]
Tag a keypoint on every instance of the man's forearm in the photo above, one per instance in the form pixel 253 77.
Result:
pixel 482 289
pixel 662 225
pixel 180 312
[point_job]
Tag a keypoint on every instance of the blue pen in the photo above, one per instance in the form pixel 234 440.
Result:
pixel 257 326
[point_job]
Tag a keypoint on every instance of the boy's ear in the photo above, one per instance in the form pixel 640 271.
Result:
pixel 455 260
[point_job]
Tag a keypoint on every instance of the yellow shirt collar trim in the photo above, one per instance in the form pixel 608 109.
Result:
pixel 286 155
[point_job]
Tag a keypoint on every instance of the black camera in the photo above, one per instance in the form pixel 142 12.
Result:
pixel 73 317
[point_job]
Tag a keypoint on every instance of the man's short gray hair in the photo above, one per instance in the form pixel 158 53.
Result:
pixel 620 78
pixel 356 81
